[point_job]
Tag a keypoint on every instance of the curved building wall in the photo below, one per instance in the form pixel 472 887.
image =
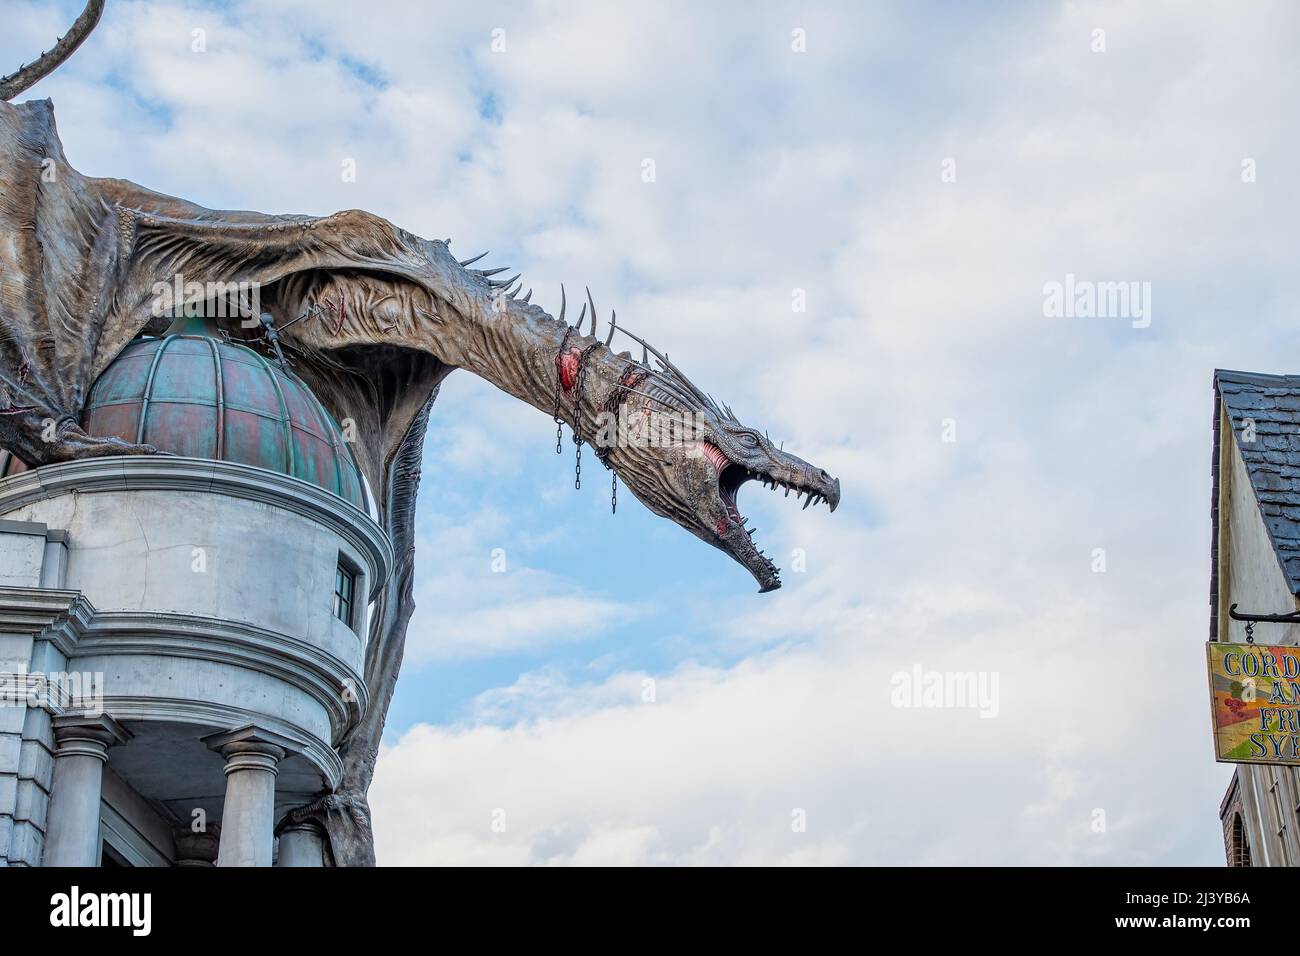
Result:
pixel 202 595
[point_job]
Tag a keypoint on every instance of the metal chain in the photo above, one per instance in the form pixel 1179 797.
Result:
pixel 629 380
pixel 577 414
pixel 577 423
pixel 559 422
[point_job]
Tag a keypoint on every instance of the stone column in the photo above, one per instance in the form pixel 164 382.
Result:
pixel 197 849
pixel 301 844
pixel 80 752
pixel 248 816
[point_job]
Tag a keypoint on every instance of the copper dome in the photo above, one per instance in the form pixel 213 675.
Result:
pixel 200 397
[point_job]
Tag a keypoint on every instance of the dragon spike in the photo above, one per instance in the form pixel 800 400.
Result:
pixel 646 348
pixel 653 398
pixel 503 283
pixel 679 388
pixel 613 325
pixel 516 289
pixel 528 298
pixel 491 272
pixel 582 315
pixel 564 303
pixel 470 262
pixel 674 372
pixel 593 310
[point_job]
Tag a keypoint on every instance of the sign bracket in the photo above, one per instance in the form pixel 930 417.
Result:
pixel 1252 619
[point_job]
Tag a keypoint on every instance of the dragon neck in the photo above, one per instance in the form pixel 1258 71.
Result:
pixel 525 352
pixel 516 346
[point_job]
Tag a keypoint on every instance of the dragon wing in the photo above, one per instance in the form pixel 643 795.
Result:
pixel 82 261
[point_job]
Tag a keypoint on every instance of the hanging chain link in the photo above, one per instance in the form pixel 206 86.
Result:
pixel 559 422
pixel 580 380
pixel 629 381
pixel 577 414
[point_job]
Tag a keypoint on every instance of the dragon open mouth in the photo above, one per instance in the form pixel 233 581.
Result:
pixel 735 537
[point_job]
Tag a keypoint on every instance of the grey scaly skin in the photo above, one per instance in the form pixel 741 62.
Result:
pixel 363 282
pixel 373 318
pixel 28 74
pixel 692 480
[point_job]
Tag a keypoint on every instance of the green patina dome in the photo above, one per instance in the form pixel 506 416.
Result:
pixel 191 394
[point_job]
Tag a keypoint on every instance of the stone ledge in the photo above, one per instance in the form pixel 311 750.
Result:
pixel 52 614
pixel 320 756
pixel 171 473
pixel 71 622
pixel 325 678
pixel 37 529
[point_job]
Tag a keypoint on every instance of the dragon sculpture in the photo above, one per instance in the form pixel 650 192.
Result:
pixel 373 318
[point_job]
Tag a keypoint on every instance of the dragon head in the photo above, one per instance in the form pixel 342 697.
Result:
pixel 685 457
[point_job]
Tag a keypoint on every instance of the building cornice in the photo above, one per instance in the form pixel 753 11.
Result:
pixel 71 623
pixel 328 680
pixel 171 473
pixel 177 710
pixel 56 615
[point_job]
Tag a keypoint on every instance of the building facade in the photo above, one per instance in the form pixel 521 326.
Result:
pixel 182 636
pixel 1255 561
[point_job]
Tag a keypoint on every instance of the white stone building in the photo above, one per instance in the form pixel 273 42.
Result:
pixel 1255 558
pixel 182 636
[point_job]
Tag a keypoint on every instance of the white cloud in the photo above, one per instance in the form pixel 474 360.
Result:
pixel 925 303
pixel 818 171
pixel 475 597
pixel 716 768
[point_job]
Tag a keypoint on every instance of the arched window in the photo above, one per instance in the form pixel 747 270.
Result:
pixel 1240 851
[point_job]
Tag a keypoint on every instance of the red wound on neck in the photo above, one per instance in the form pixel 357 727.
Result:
pixel 568 366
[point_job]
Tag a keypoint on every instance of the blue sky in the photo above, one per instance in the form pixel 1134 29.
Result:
pixel 524 694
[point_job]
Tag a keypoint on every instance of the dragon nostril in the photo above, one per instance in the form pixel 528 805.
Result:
pixel 825 474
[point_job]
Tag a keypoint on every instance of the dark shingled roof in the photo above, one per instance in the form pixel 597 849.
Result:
pixel 1272 460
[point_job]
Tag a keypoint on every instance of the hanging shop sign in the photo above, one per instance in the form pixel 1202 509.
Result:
pixel 1255 702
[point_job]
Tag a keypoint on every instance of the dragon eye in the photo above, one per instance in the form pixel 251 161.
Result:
pixel 748 439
